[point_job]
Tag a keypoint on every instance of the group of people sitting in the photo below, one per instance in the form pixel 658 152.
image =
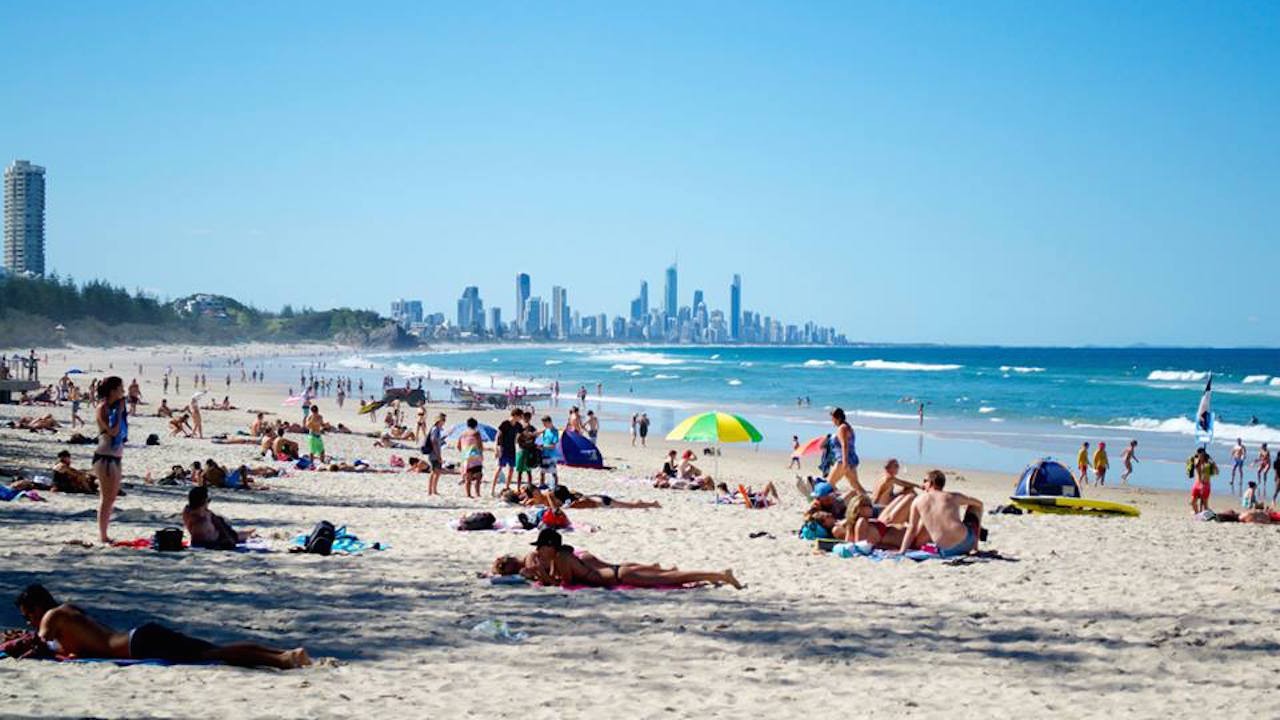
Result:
pixel 562 497
pixel 211 474
pixel 553 563
pixel 899 515
pixel 682 474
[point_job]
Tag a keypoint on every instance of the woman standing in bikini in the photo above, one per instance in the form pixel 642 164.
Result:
pixel 842 442
pixel 113 430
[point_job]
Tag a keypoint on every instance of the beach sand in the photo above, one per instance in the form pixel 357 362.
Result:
pixel 1148 617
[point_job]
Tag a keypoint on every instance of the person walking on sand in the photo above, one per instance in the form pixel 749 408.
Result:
pixel 846 466
pixel 113 430
pixel 1264 467
pixel 795 453
pixel 1201 469
pixel 471 445
pixel 504 449
pixel 643 427
pixel 1238 454
pixel 135 394
pixel 635 425
pixel 197 423
pixel 315 435
pixel 433 447
pixel 1100 464
pixel 1082 463
pixel 1129 457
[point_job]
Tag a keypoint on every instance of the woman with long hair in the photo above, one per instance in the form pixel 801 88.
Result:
pixel 113 430
pixel 842 442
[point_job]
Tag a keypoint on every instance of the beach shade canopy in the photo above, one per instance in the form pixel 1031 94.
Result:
pixel 578 451
pixel 488 433
pixel 1047 477
pixel 815 446
pixel 715 427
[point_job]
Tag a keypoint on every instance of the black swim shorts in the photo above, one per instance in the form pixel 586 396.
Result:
pixel 156 642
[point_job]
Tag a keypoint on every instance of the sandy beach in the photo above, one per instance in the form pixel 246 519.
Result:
pixel 1149 617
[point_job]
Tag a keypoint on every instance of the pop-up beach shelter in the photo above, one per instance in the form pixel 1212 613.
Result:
pixel 577 450
pixel 1047 477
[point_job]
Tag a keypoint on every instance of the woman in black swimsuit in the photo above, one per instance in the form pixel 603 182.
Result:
pixel 112 417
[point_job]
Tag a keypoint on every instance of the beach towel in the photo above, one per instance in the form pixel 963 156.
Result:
pixel 864 550
pixel 252 545
pixel 7 494
pixel 344 543
pixel 513 526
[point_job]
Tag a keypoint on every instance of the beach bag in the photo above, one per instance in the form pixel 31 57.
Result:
pixel 167 540
pixel 320 541
pixel 478 521
pixel 554 518
pixel 153 439
pixel 814 531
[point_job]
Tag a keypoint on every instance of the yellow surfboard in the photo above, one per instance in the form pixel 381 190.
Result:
pixel 1072 506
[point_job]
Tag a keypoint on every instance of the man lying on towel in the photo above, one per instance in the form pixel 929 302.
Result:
pixel 67 630
pixel 939 513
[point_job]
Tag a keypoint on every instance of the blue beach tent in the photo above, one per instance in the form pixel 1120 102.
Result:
pixel 577 450
pixel 1047 477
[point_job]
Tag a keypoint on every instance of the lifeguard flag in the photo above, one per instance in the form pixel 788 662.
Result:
pixel 1204 414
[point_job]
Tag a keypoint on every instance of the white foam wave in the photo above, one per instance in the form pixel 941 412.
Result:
pixel 997 420
pixel 1275 382
pixel 625 367
pixel 884 415
pixel 553 362
pixel 903 366
pixel 471 378
pixel 1020 369
pixel 735 381
pixel 818 363
pixel 358 362
pixel 1177 375
pixel 1256 379
pixel 634 357
pixel 986 409
pixel 1185 426
pixel 661 376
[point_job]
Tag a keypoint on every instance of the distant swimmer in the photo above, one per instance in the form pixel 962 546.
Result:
pixel 920 410
pixel 1129 457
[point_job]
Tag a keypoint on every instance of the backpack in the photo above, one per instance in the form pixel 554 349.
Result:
pixel 153 439
pixel 167 540
pixel 478 521
pixel 320 541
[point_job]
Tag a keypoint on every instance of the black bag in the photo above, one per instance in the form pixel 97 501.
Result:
pixel 533 457
pixel 153 439
pixel 320 541
pixel 478 521
pixel 167 540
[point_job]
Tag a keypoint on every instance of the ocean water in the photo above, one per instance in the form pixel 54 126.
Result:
pixel 985 407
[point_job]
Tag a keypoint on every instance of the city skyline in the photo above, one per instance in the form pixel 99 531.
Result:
pixel 556 320
pixel 1054 183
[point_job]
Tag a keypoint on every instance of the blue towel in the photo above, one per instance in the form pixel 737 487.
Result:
pixel 122 412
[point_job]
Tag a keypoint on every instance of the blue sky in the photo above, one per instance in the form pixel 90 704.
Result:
pixel 992 172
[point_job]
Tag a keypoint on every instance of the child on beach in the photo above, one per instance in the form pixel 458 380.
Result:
pixel 1129 457
pixel 795 453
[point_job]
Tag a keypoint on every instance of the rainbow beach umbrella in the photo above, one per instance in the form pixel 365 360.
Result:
pixel 715 427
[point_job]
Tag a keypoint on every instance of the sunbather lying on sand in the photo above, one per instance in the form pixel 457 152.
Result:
pixel 766 497
pixel 68 630
pixel 558 564
pixel 562 496
pixel 35 424
pixel 208 529
pixel 358 467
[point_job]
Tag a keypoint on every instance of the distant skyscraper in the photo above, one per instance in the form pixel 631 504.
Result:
pixel 670 294
pixel 558 325
pixel 495 321
pixel 471 310
pixel 522 297
pixel 532 320
pixel 24 218
pixel 735 308
pixel 697 300
pixel 644 298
